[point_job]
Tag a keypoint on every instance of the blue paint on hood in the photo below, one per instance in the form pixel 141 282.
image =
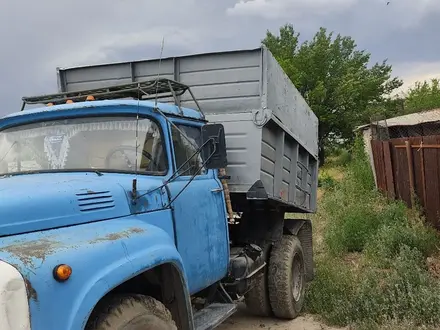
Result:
pixel 102 256
pixel 34 202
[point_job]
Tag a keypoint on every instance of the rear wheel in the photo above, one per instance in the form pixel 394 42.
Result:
pixel 131 312
pixel 286 277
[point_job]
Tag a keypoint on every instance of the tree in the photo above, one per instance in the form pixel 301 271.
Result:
pixel 334 78
pixel 387 108
pixel 423 96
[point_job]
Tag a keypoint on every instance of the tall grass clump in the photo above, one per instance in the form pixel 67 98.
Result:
pixel 339 157
pixel 353 208
pixel 373 270
pixel 326 181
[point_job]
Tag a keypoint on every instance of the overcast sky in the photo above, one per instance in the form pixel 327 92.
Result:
pixel 38 36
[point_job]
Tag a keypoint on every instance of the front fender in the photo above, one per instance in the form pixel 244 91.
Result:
pixel 102 256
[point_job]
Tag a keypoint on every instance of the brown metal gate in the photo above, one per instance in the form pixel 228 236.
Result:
pixel 408 169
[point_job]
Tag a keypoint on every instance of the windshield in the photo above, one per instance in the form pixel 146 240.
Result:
pixel 93 143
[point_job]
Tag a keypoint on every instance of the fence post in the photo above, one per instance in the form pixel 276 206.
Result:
pixel 422 167
pixel 409 157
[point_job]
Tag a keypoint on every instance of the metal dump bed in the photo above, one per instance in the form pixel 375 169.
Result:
pixel 271 132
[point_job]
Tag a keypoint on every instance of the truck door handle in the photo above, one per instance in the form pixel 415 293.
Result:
pixel 217 190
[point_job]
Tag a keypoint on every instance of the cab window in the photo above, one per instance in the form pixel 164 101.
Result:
pixel 185 147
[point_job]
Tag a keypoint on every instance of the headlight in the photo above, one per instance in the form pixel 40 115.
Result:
pixel 14 306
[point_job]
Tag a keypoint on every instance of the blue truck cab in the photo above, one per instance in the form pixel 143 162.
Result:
pixel 116 213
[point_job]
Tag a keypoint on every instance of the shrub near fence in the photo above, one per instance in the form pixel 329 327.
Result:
pixel 409 169
pixel 370 257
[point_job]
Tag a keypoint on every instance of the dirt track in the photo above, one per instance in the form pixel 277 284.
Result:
pixel 243 321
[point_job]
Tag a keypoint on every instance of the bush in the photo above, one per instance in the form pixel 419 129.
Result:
pixel 389 239
pixel 390 284
pixel 359 215
pixel 403 294
pixel 343 158
pixel 329 295
pixel 326 181
pixel 352 229
pixel 360 167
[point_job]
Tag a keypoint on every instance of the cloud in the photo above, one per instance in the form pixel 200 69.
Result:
pixel 411 11
pixel 74 32
pixel 101 50
pixel 39 36
pixel 272 9
pixel 69 33
pixel 387 31
pixel 412 72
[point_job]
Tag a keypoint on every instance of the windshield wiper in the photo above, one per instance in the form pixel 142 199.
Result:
pixel 10 148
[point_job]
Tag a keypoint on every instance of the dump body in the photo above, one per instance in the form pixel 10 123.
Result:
pixel 271 132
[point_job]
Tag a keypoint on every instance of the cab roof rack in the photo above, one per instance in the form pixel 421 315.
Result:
pixel 143 90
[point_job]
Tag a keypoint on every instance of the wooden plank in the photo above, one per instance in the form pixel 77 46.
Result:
pixel 432 183
pixel 377 149
pixel 418 170
pixel 401 174
pixel 389 175
pixel 423 179
pixel 395 164
pixel 409 158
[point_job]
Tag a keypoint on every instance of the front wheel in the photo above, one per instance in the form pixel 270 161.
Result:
pixel 131 312
pixel 286 277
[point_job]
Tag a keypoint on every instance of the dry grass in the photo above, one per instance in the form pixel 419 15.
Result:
pixel 433 264
pixel 337 173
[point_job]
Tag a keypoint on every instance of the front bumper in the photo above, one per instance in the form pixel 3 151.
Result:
pixel 14 305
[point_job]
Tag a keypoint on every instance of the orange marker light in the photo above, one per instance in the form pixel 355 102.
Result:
pixel 69 101
pixel 90 98
pixel 62 272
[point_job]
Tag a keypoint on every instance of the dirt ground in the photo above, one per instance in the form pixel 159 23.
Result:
pixel 243 321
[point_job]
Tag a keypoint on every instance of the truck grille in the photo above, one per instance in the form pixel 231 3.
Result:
pixel 95 200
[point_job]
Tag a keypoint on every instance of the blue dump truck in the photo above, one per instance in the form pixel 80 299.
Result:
pixel 153 195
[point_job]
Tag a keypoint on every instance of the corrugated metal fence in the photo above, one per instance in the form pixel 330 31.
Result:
pixel 409 169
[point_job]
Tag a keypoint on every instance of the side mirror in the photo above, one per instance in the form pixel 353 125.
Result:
pixel 214 150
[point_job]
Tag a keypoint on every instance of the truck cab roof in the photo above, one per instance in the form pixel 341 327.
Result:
pixel 166 108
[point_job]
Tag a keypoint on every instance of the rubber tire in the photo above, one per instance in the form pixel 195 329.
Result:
pixel 131 312
pixel 257 299
pixel 280 277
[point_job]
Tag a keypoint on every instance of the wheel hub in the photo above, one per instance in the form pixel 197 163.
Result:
pixel 297 278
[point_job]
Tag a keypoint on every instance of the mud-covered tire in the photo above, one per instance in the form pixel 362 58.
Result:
pixel 130 312
pixel 257 299
pixel 286 277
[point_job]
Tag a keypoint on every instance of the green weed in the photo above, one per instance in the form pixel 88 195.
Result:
pixel 326 181
pixel 343 158
pixel 389 239
pixel 388 286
